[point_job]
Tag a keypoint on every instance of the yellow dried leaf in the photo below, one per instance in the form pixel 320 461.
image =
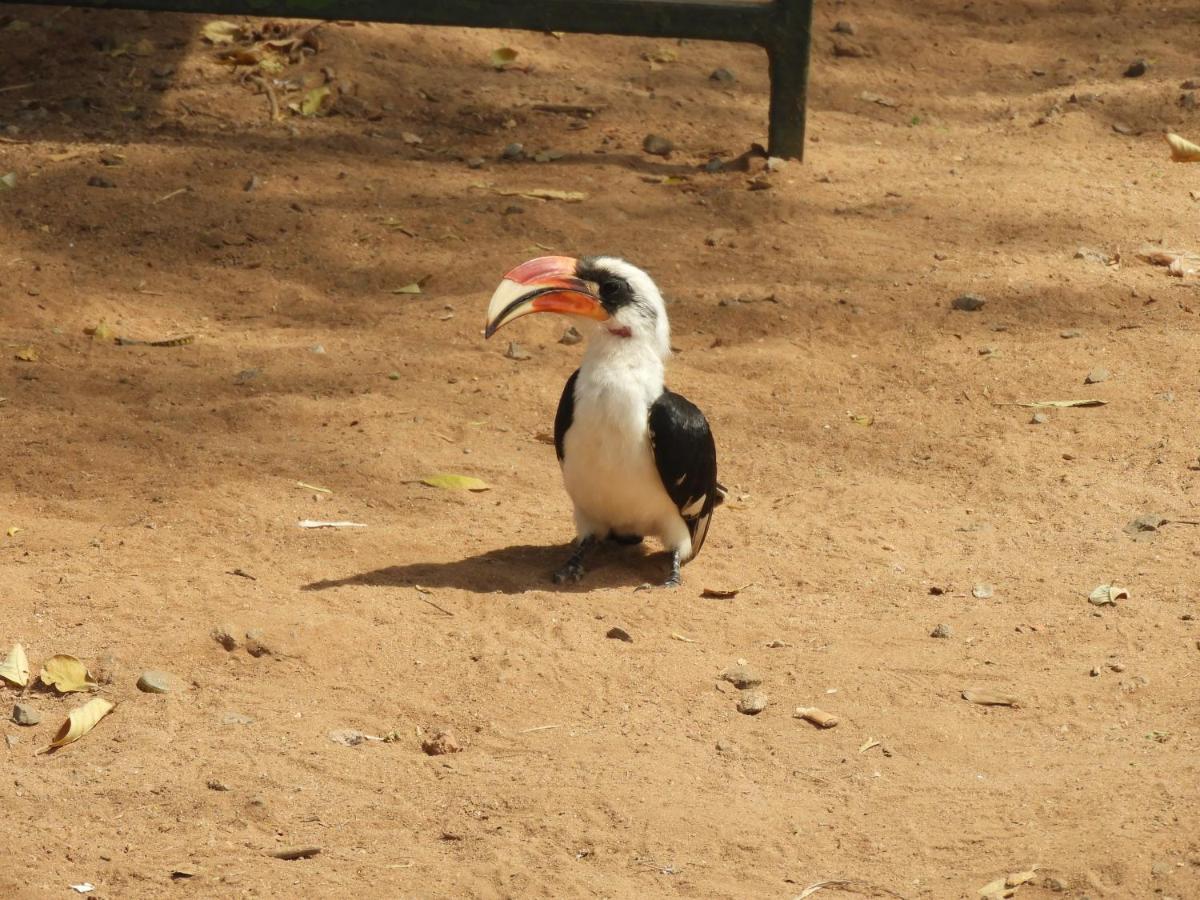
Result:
pixel 412 288
pixel 8 181
pixel 456 482
pixel 503 58
pixel 101 332
pixel 1182 150
pixel 15 668
pixel 316 102
pixel 65 673
pixel 79 722
pixel 313 487
pixel 220 32
pixel 14 530
pixel 27 354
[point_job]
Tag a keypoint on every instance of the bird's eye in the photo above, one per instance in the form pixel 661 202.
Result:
pixel 608 289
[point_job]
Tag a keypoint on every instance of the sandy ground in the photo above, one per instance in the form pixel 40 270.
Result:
pixel 879 465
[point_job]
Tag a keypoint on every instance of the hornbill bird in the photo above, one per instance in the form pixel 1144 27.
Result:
pixel 637 459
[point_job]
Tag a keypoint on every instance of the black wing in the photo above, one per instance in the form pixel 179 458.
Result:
pixel 565 415
pixel 686 457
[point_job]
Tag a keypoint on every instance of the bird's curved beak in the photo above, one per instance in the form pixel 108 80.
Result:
pixel 545 284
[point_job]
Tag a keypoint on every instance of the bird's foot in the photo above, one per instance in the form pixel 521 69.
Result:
pixel 572 570
pixel 571 573
pixel 673 582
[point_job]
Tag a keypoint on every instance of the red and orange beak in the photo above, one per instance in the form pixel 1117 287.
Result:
pixel 545 284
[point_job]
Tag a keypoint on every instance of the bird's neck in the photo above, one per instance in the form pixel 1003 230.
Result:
pixel 623 364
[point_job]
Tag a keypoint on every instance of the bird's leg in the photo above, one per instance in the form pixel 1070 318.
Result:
pixel 572 570
pixel 674 580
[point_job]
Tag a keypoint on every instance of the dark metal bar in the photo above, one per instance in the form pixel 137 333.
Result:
pixel 787 59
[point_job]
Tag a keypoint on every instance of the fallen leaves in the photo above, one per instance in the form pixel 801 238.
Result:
pixel 79 722
pixel 219 32
pixel 1062 404
pixel 8 181
pixel 15 668
pixel 1107 595
pixel 537 193
pixel 27 354
pixel 456 482
pixel 985 697
pixel 313 487
pixel 65 673
pixel 316 523
pixel 1182 150
pixel 317 102
pixel 503 58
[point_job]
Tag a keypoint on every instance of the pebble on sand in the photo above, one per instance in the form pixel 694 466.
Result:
pixel 152 682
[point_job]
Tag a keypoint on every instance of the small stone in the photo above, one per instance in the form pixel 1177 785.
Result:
pixel 253 183
pixel 1116 666
pixel 657 145
pixel 751 703
pixel 942 631
pixel 714 165
pixel 1136 69
pixel 843 48
pixel 256 643
pixel 967 303
pixel 441 743
pixel 317 348
pixel 776 644
pixel 153 682
pixel 1094 671
pixel 214 785
pixel 1039 418
pixel 1097 375
pixel 475 162
pixel 1051 883
pixel 246 376
pixel 741 676
pixel 105 669
pixel 99 181
pixel 226 636
pixel 513 151
pixel 347 737
pixel 776 163
pixel 619 634
pixel 512 210
pixel 23 714
pixel 722 77
pixel 843 27
pixel 515 351
pixel 1161 869
pixel 982 591
pixel 726 747
pixel 571 336
pixel 236 718
pixel 1068 333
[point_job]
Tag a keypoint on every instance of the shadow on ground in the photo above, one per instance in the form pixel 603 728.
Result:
pixel 514 570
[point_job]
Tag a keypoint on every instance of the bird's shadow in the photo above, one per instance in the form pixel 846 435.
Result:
pixel 515 570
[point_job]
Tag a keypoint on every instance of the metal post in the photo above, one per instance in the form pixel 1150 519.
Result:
pixel 787 58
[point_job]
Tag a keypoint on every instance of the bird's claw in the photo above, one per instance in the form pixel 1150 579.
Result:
pixel 569 575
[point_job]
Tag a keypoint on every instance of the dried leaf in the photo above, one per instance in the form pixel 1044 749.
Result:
pixel 313 487
pixel 101 332
pixel 456 482
pixel 549 194
pixel 1062 404
pixel 316 102
pixel 1016 879
pixel 13 530
pixel 79 722
pixel 411 288
pixel 1182 150
pixel 65 673
pixel 503 58
pixel 220 32
pixel 15 668
pixel 989 698
pixel 1107 595
pixel 27 354
pixel 315 523
pixel 661 55
pixel 676 636
pixel 8 181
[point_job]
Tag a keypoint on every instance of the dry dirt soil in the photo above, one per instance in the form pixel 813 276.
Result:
pixel 881 467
